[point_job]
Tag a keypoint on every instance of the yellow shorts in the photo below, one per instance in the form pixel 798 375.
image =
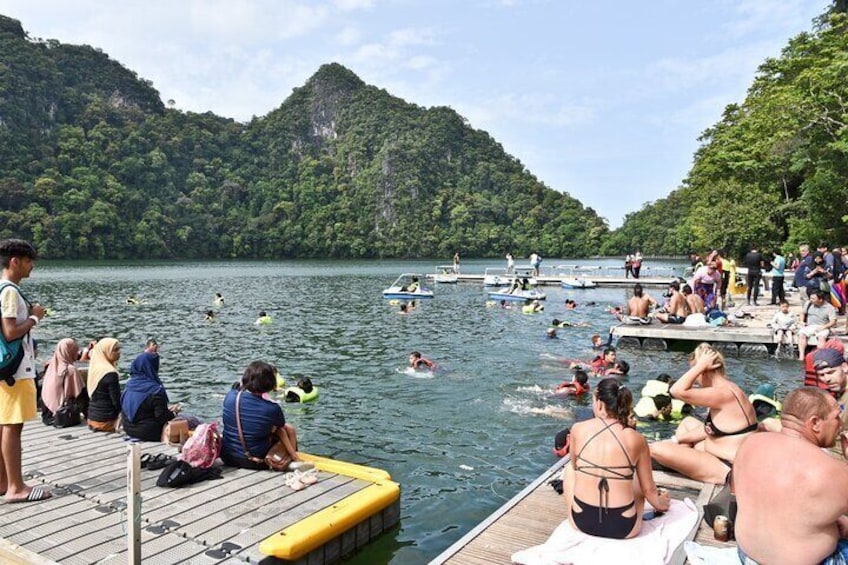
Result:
pixel 17 402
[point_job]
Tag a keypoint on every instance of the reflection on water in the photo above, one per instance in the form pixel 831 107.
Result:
pixel 460 442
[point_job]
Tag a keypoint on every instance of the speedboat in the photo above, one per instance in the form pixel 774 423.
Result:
pixel 517 295
pixel 496 277
pixel 446 274
pixel 577 282
pixel 408 286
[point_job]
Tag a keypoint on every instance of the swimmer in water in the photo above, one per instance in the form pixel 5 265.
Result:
pixel 578 385
pixel 132 300
pixel 570 304
pixel 263 320
pixel 210 315
pixel 219 299
pixel 551 333
pixel 419 362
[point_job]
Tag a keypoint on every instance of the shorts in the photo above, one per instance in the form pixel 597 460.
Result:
pixel 17 402
pixel 814 331
pixel 838 557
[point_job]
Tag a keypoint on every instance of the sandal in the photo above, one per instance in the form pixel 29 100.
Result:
pixel 37 494
pixel 293 482
pixel 309 477
pixel 159 461
pixel 145 459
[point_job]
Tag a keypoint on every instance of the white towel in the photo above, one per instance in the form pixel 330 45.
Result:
pixel 655 544
pixel 698 554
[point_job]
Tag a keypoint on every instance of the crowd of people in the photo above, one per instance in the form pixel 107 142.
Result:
pixel 141 409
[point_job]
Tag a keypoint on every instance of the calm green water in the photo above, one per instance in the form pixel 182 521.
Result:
pixel 460 443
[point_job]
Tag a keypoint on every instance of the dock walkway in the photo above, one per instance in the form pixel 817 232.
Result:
pixel 214 521
pixel 531 516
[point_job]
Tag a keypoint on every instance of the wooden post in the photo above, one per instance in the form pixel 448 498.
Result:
pixel 134 504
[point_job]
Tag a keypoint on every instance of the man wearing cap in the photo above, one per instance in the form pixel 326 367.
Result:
pixel 817 319
pixel 832 375
pixel 795 515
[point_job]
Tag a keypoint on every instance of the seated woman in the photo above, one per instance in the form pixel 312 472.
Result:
pixel 251 423
pixel 62 383
pixel 705 450
pixel 144 404
pixel 607 457
pixel 102 384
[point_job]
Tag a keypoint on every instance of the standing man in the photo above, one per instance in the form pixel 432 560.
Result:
pixel 535 261
pixel 778 264
pixel 805 263
pixel 795 515
pixel 510 262
pixel 456 262
pixel 754 263
pixel 628 265
pixel 17 390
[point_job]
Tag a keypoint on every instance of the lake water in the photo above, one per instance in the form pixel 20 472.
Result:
pixel 460 443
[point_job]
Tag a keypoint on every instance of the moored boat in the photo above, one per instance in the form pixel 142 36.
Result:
pixel 408 286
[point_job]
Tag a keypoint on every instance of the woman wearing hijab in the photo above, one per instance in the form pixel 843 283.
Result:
pixel 62 382
pixel 145 402
pixel 103 388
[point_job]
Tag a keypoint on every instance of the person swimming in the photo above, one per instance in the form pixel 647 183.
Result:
pixel 210 315
pixel 263 320
pixel 219 299
pixel 419 362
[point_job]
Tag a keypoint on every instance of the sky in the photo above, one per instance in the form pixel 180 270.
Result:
pixel 603 99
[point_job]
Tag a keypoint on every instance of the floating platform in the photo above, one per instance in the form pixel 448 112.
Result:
pixel 244 517
pixel 531 516
pixel 602 281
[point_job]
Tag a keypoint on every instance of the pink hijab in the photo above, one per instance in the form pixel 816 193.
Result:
pixel 55 391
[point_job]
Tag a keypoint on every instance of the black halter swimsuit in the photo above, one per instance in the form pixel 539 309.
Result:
pixel 610 523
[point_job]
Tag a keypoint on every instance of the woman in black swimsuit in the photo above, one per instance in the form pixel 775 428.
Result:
pixel 610 470
pixel 705 450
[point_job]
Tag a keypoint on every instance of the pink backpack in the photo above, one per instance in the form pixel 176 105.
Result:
pixel 203 447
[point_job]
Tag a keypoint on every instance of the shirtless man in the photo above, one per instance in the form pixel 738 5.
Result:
pixel 677 307
pixel 639 305
pixel 795 516
pixel 694 302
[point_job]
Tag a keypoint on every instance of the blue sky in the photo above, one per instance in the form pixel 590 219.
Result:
pixel 602 99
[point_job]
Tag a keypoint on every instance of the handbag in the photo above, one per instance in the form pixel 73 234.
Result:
pixel 69 413
pixel 277 458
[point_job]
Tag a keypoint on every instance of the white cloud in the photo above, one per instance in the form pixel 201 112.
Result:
pixel 350 5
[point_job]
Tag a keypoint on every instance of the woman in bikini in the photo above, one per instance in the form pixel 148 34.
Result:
pixel 705 450
pixel 609 477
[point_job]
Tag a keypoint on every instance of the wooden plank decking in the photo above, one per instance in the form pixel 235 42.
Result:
pixel 215 521
pixel 531 516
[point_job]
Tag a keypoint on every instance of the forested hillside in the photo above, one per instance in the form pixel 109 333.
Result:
pixel 93 165
pixel 774 170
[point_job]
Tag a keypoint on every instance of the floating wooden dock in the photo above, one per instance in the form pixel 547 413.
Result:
pixel 214 521
pixel 602 281
pixel 531 516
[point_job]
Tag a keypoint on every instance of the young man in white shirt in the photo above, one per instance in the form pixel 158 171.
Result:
pixel 17 390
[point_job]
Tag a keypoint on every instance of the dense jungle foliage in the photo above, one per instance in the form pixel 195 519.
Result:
pixel 94 165
pixel 774 170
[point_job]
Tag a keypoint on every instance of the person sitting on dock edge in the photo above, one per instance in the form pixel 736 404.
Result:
pixel 705 451
pixel 640 304
pixel 796 515
pixel 608 456
pixel 677 308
